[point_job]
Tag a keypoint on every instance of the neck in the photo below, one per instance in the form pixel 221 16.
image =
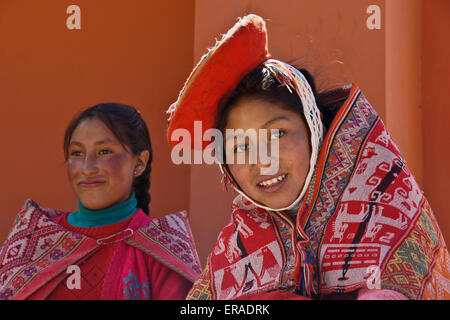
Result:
pixel 85 217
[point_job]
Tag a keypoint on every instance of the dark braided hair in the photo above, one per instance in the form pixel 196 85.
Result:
pixel 130 129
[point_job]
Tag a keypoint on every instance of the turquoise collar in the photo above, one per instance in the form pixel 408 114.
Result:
pixel 85 217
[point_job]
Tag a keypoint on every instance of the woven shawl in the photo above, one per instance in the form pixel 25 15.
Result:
pixel 364 222
pixel 38 251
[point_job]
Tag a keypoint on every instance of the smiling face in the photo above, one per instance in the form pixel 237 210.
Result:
pixel 281 189
pixel 99 168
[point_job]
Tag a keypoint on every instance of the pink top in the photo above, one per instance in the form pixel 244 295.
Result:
pixel 164 283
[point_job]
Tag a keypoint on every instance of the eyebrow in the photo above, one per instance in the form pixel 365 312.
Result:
pixel 95 143
pixel 271 121
pixel 265 125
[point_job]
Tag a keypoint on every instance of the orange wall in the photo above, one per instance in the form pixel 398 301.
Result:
pixel 126 51
pixel 330 38
pixel 402 68
pixel 403 80
pixel 141 52
pixel 436 108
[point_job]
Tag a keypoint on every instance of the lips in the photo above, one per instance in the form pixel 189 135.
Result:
pixel 273 183
pixel 88 184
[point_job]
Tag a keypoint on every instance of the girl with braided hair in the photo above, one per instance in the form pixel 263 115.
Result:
pixel 110 248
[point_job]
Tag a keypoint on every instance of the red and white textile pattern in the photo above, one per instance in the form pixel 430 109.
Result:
pixel 35 248
pixel 242 269
pixel 175 242
pixel 377 207
pixel 363 223
pixel 38 251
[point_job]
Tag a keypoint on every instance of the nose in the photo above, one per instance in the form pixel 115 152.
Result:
pixel 268 158
pixel 262 158
pixel 266 165
pixel 90 165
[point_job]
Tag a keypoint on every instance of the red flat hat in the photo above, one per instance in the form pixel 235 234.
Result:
pixel 242 49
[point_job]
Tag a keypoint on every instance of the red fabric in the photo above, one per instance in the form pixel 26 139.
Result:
pixel 219 72
pixel 93 270
pixel 273 295
pixel 166 284
pixel 136 269
pixel 169 285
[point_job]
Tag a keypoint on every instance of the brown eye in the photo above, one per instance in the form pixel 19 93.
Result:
pixel 105 152
pixel 76 154
pixel 240 148
pixel 276 134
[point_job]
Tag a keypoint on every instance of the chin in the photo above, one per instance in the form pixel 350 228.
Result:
pixel 93 203
pixel 93 206
pixel 277 204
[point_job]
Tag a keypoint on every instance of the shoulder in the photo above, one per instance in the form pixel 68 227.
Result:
pixel 173 218
pixel 32 217
pixel 172 231
pixel 32 209
pixel 174 225
pixel 169 239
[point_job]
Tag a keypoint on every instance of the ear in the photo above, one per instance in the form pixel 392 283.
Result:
pixel 141 163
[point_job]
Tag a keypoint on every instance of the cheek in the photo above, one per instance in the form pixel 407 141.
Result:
pixel 295 153
pixel 73 169
pixel 119 167
pixel 299 157
pixel 239 173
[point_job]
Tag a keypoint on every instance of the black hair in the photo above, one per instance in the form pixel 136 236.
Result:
pixel 126 123
pixel 261 83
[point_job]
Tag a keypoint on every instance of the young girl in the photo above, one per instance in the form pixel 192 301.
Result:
pixel 341 217
pixel 109 248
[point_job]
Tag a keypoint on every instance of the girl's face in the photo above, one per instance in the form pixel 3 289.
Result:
pixel 99 169
pixel 281 189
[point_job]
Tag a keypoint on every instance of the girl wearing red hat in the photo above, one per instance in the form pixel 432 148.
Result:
pixel 341 217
